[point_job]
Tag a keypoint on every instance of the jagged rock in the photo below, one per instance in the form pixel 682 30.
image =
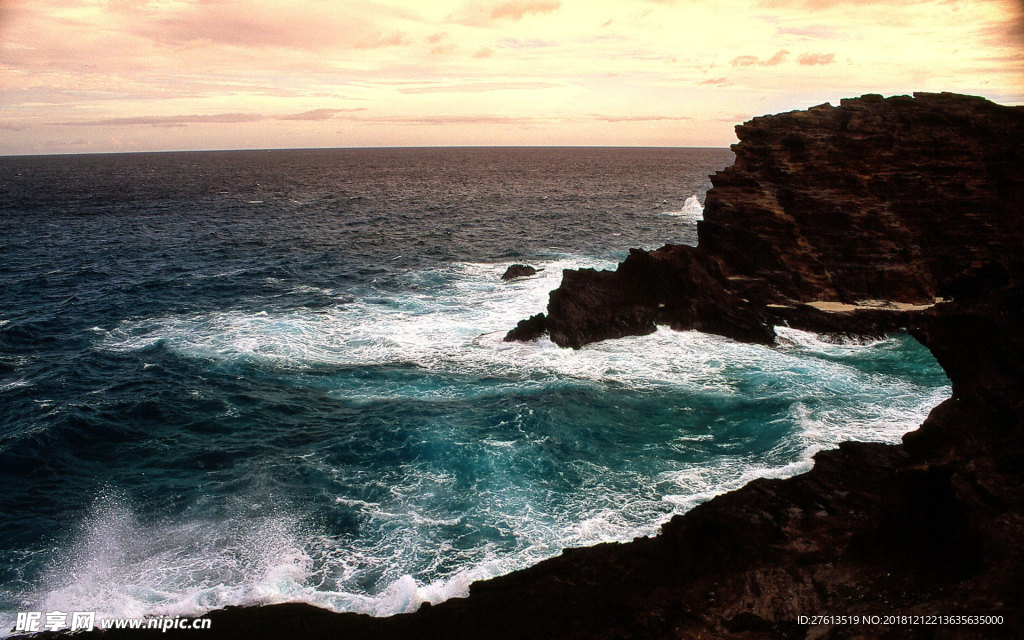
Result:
pixel 896 199
pixel 900 199
pixel 518 271
pixel 529 329
pixel 672 286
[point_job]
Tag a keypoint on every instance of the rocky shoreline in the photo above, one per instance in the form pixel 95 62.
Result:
pixel 874 216
pixel 899 200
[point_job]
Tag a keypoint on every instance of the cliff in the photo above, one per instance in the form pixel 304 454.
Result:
pixel 851 219
pixel 900 201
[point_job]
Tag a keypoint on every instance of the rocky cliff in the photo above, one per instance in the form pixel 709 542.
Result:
pixel 877 206
pixel 851 219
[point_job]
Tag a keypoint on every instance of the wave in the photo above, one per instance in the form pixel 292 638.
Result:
pixel 692 211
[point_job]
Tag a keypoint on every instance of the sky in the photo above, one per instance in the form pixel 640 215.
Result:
pixel 160 75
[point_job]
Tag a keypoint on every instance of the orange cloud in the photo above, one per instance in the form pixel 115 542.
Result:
pixel 604 118
pixel 318 114
pixel 744 61
pixel 749 61
pixel 259 25
pixel 455 119
pixel 480 14
pixel 479 87
pixel 214 118
pixel 516 10
pixel 173 121
pixel 816 58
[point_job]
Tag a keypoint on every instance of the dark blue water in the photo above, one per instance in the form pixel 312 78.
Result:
pixel 248 377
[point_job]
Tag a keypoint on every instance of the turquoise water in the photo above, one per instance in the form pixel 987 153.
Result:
pixel 256 377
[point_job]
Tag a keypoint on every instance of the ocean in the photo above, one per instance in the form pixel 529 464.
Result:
pixel 266 376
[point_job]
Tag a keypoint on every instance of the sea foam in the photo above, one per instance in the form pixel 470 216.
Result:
pixel 692 210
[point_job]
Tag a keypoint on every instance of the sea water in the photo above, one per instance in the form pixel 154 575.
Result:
pixel 253 377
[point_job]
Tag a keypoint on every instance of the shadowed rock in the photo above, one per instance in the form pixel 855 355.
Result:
pixel 518 271
pixel 901 200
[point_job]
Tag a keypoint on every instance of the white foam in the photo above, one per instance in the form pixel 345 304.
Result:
pixel 692 210
pixel 14 384
pixel 120 567
pixel 810 341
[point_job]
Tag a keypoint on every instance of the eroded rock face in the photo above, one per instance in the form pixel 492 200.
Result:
pixel 673 286
pixel 901 199
pixel 898 199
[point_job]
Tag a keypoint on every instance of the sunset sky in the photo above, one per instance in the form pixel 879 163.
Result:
pixel 136 75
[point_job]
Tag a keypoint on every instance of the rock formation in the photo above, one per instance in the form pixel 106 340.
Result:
pixel 903 200
pixel 898 201
pixel 518 271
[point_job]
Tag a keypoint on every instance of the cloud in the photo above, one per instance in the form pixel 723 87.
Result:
pixel 215 118
pixel 1008 33
pixel 259 26
pixel 607 118
pixel 443 49
pixel 744 61
pixel 379 40
pixel 531 43
pixel 516 10
pixel 816 58
pixel 827 32
pixel 319 114
pixel 454 119
pixel 737 118
pixel 818 5
pixel 749 61
pixel 172 121
pixel 479 87
pixel 481 14
pixel 352 115
pixel 720 82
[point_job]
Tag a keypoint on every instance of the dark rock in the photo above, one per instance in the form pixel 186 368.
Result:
pixel 674 286
pixel 529 329
pixel 901 200
pixel 874 199
pixel 518 271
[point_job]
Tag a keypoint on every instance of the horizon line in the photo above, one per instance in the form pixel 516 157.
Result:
pixel 359 148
